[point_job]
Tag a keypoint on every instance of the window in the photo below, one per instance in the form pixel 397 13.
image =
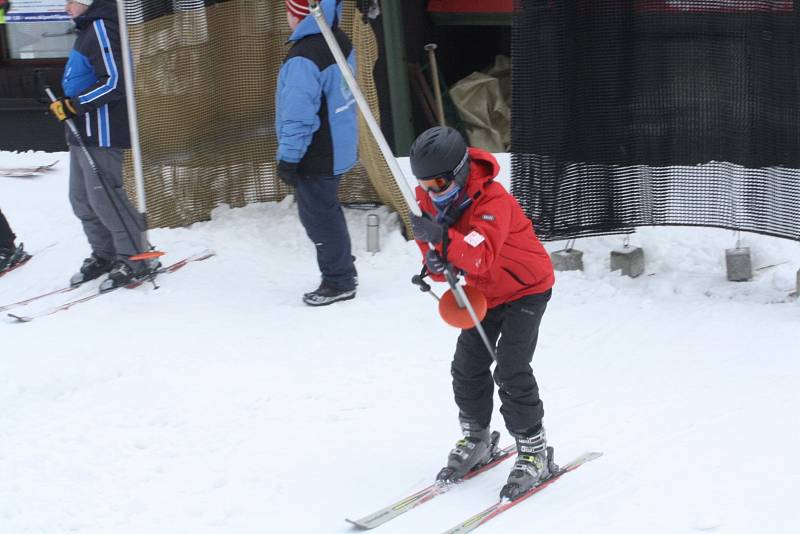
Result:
pixel 37 29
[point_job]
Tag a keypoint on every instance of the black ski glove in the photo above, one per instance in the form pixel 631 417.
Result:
pixel 426 230
pixel 287 172
pixel 434 262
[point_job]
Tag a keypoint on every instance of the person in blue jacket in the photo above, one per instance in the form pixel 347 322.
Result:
pixel 317 132
pixel 94 98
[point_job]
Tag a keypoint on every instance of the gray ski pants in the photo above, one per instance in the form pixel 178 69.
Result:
pixel 102 223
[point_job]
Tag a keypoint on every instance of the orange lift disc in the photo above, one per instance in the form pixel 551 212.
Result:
pixel 457 316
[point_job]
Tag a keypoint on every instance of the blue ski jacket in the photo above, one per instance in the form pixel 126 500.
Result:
pixel 315 115
pixel 93 78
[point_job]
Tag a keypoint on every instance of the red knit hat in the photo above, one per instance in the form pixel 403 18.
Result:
pixel 298 8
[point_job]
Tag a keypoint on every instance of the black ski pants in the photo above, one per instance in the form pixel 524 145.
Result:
pixel 6 235
pixel 324 222
pixel 513 329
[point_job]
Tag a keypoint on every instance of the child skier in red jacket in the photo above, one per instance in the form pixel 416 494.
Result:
pixel 487 236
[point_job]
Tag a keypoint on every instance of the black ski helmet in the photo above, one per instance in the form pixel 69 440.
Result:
pixel 440 151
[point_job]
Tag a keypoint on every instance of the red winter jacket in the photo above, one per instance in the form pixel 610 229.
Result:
pixel 493 241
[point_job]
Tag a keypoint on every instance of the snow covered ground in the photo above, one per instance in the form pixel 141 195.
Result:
pixel 219 403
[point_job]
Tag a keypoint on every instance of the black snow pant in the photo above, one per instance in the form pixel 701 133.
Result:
pixel 6 235
pixel 324 222
pixel 516 324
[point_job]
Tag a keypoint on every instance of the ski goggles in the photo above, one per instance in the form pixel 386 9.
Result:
pixel 439 182
pixel 436 184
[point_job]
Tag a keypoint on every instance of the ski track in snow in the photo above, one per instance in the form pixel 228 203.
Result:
pixel 220 403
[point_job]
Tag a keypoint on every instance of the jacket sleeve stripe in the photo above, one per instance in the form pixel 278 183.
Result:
pixel 108 59
pixel 103 126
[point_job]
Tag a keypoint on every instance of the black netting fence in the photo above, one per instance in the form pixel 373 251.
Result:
pixel 657 112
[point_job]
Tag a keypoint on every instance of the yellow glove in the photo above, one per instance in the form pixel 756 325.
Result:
pixel 63 109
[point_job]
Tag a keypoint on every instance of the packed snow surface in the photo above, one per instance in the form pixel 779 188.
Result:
pixel 220 403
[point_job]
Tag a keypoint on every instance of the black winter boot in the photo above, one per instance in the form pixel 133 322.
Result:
pixel 124 273
pixel 93 267
pixel 325 294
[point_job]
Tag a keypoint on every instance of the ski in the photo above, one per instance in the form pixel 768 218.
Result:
pixel 28 300
pixel 424 495
pixel 25 172
pixel 504 504
pixel 38 297
pixel 69 304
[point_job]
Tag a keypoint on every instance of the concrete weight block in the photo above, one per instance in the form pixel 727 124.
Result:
pixel 567 260
pixel 629 260
pixel 739 264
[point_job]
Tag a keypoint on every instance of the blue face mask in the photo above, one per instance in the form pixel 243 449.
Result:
pixel 443 199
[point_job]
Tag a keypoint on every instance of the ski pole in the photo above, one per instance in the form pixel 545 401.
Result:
pixel 463 302
pixel 437 90
pixel 133 116
pixel 140 255
pixel 397 173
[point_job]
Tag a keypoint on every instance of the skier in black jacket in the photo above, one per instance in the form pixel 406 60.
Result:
pixel 94 92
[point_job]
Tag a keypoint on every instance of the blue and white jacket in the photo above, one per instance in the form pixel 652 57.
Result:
pixel 315 115
pixel 93 78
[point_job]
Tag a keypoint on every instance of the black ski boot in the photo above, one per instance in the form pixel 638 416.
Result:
pixel 325 294
pixel 12 257
pixel 534 465
pixel 124 273
pixel 93 267
pixel 473 451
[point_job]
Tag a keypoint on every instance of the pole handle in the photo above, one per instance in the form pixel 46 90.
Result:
pixel 72 128
pixel 417 280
